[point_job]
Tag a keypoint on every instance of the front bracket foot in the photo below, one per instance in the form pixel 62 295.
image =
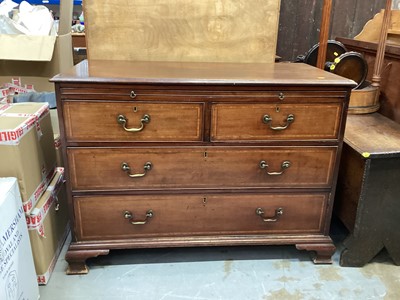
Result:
pixel 77 260
pixel 323 252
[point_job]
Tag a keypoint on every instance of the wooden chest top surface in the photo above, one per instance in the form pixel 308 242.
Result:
pixel 244 74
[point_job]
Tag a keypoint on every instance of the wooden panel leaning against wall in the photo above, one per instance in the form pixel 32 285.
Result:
pixel 300 22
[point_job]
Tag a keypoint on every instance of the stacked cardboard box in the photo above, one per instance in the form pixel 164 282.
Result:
pixel 27 152
pixel 27 148
pixel 48 227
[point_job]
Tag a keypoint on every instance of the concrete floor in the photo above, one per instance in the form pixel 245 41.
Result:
pixel 271 272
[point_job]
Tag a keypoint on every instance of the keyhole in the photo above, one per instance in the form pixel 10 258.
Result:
pixel 204 200
pixel 205 154
pixel 277 109
pixel 135 109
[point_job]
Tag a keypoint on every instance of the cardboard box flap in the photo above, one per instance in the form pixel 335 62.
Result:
pixel 66 12
pixel 38 73
pixel 38 109
pixel 26 47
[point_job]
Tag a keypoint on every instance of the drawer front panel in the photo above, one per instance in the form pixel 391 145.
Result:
pixel 111 217
pixel 98 121
pixel 259 122
pixel 198 167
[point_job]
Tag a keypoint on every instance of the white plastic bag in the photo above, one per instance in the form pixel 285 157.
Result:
pixel 6 7
pixel 30 20
pixel 37 19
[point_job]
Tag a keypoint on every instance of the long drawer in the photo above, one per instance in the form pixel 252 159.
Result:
pixel 182 168
pixel 132 122
pixel 260 122
pixel 124 217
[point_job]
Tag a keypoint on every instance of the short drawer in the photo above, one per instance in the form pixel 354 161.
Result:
pixel 132 122
pixel 257 122
pixel 199 167
pixel 124 217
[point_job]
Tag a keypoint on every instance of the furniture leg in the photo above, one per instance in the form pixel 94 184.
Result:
pixel 77 260
pixel 323 252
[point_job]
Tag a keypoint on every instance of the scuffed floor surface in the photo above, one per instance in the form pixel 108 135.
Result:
pixel 271 272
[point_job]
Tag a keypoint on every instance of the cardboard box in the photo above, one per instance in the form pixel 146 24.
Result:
pixel 38 73
pixel 37 67
pixel 57 146
pixel 44 128
pixel 17 271
pixel 48 227
pixel 21 157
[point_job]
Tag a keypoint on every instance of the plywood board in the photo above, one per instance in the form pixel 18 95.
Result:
pixel 182 30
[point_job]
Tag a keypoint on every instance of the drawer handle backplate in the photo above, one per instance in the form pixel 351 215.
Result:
pixel 126 168
pixel 268 120
pixel 122 120
pixel 278 213
pixel 285 165
pixel 129 215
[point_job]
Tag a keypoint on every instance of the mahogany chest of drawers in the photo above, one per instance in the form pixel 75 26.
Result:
pixel 164 154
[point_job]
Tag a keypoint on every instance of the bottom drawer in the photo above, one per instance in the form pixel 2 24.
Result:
pixel 124 217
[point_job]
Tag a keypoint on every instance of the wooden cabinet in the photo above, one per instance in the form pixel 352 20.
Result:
pixel 200 154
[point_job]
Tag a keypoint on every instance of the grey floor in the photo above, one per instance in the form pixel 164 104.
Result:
pixel 271 272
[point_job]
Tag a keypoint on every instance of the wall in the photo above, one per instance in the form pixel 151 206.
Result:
pixel 300 21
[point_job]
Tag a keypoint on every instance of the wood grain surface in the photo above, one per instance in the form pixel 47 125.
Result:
pixel 184 73
pixel 201 168
pixel 373 134
pixel 102 217
pixel 182 30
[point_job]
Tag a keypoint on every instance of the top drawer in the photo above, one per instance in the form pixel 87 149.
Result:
pixel 264 121
pixel 131 122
